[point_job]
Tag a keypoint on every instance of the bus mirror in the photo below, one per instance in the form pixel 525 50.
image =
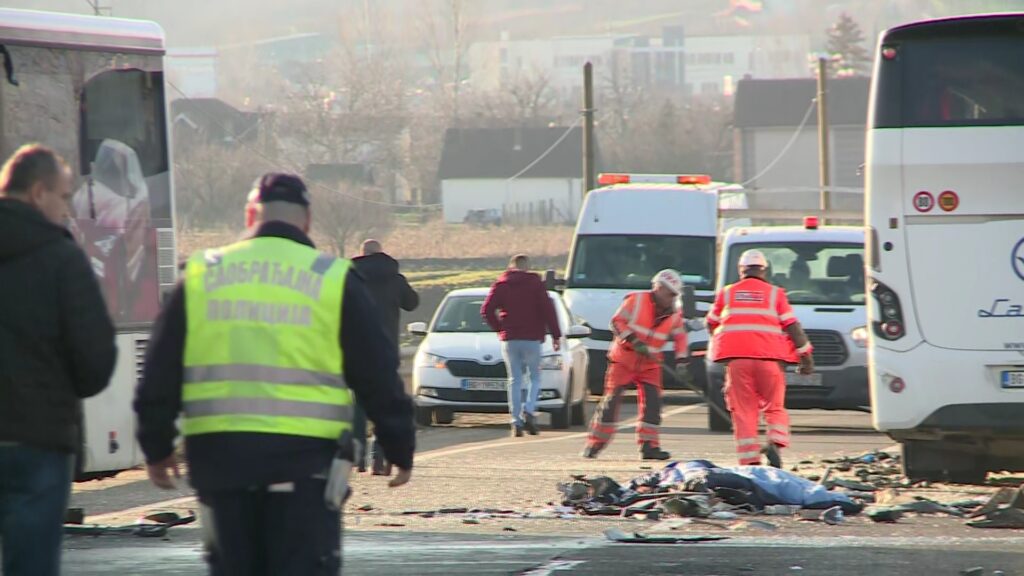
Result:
pixel 689 302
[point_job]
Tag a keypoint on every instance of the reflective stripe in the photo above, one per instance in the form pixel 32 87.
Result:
pixel 750 328
pixel 773 300
pixel 742 310
pixel 258 373
pixel 787 316
pixel 805 349
pixel 754 454
pixel 266 407
pixel 322 264
pixel 778 427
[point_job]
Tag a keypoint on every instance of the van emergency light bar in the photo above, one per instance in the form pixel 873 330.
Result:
pixel 610 179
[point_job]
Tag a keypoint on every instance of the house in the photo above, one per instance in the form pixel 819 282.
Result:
pixel 771 150
pixel 214 121
pixel 514 170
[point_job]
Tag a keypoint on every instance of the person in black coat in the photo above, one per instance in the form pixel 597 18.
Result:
pixel 56 348
pixel 392 294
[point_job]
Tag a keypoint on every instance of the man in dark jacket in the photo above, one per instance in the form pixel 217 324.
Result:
pixel 56 347
pixel 519 309
pixel 392 293
pixel 265 484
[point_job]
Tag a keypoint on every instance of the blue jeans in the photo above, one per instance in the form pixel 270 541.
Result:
pixel 34 488
pixel 522 356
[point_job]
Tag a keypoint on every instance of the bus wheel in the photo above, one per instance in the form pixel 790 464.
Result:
pixel 934 462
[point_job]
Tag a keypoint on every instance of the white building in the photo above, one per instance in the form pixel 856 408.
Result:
pixel 193 71
pixel 715 63
pixel 497 169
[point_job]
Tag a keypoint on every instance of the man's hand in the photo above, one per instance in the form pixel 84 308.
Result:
pixel 806 365
pixel 160 472
pixel 556 344
pixel 641 348
pixel 401 478
pixel 683 373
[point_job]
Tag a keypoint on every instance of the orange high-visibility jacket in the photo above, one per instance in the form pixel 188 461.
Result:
pixel 748 320
pixel 637 316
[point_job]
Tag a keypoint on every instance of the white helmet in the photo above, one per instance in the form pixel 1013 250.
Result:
pixel 753 258
pixel 669 279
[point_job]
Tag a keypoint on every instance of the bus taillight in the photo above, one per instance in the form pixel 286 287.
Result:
pixel 890 325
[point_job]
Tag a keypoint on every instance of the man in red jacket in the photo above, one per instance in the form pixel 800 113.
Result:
pixel 519 309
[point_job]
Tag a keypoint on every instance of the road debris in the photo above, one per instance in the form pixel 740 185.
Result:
pixel 153 525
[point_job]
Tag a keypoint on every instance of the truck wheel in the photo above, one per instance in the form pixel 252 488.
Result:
pixel 715 397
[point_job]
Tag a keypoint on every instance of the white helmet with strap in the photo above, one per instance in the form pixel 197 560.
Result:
pixel 669 279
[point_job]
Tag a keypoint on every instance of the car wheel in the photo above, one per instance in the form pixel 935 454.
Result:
pixel 444 415
pixel 716 421
pixel 424 416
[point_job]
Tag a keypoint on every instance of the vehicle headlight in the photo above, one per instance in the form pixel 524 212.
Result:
pixel 859 336
pixel 548 394
pixel 427 360
pixel 551 362
pixel 429 392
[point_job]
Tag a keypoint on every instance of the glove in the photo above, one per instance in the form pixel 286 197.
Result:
pixel 641 348
pixel 683 372
pixel 806 365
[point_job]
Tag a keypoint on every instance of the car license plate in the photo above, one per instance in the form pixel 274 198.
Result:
pixel 1013 379
pixel 794 379
pixel 499 385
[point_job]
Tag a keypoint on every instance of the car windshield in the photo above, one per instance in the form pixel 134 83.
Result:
pixel 461 314
pixel 629 262
pixel 811 272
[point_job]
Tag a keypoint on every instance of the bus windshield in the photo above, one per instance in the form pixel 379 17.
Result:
pixel 630 261
pixel 967 78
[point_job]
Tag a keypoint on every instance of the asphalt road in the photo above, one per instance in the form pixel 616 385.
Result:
pixel 474 464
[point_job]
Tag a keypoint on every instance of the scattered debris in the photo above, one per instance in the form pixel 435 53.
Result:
pixel 390 525
pixel 976 571
pixel 884 515
pixel 830 516
pixel 757 524
pixel 364 508
pixel 153 525
pixel 470 521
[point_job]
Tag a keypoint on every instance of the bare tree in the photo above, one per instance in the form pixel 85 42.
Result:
pixel 346 213
pixel 445 29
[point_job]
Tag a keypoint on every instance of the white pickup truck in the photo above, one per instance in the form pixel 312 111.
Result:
pixel 822 270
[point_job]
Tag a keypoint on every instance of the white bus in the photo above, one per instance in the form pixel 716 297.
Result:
pixel 93 89
pixel 945 209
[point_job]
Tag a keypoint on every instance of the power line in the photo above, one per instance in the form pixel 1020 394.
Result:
pixel 789 144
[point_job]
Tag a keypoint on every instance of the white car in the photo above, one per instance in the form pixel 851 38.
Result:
pixel 459 366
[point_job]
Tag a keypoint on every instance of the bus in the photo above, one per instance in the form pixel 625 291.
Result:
pixel 92 88
pixel 945 244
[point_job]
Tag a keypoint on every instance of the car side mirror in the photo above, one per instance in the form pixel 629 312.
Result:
pixel 689 302
pixel 417 328
pixel 552 282
pixel 578 331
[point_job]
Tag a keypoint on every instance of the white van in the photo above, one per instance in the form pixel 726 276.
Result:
pixel 822 270
pixel 628 230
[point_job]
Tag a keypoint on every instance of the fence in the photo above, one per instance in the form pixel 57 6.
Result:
pixel 537 213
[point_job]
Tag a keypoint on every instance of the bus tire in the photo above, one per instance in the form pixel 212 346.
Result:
pixel 715 397
pixel 932 461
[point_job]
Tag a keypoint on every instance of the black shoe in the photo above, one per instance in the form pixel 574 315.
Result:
pixel 531 424
pixel 591 452
pixel 517 431
pixel 771 451
pixel 648 452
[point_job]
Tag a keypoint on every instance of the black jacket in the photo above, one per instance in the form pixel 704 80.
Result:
pixel 237 460
pixel 390 290
pixel 56 336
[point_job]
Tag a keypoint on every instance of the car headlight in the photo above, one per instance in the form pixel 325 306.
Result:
pixel 429 392
pixel 427 360
pixel 859 336
pixel 551 362
pixel 548 395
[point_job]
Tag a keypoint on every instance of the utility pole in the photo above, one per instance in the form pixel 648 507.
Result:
pixel 588 127
pixel 99 9
pixel 823 156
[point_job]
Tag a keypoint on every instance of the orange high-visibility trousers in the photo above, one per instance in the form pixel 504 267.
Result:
pixel 647 378
pixel 751 386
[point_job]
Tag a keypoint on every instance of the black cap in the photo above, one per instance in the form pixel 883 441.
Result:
pixel 279 187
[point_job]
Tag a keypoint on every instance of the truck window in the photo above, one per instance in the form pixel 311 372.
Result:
pixel 630 261
pixel 811 272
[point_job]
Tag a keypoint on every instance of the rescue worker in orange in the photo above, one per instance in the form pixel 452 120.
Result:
pixel 644 323
pixel 754 330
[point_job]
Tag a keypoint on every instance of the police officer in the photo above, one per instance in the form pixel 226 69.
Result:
pixel 753 331
pixel 643 324
pixel 261 347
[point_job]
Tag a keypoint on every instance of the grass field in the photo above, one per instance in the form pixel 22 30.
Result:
pixel 435 240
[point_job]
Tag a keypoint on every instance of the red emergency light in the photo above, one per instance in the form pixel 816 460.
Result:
pixel 610 179
pixel 811 222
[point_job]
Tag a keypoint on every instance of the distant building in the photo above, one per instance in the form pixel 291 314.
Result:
pixel 214 121
pixel 193 72
pixel 768 113
pixel 477 165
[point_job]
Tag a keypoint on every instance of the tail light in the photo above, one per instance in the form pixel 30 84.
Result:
pixel 889 325
pixel 897 385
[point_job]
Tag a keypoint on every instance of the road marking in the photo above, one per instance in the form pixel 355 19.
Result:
pixel 442 452
pixel 554 566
